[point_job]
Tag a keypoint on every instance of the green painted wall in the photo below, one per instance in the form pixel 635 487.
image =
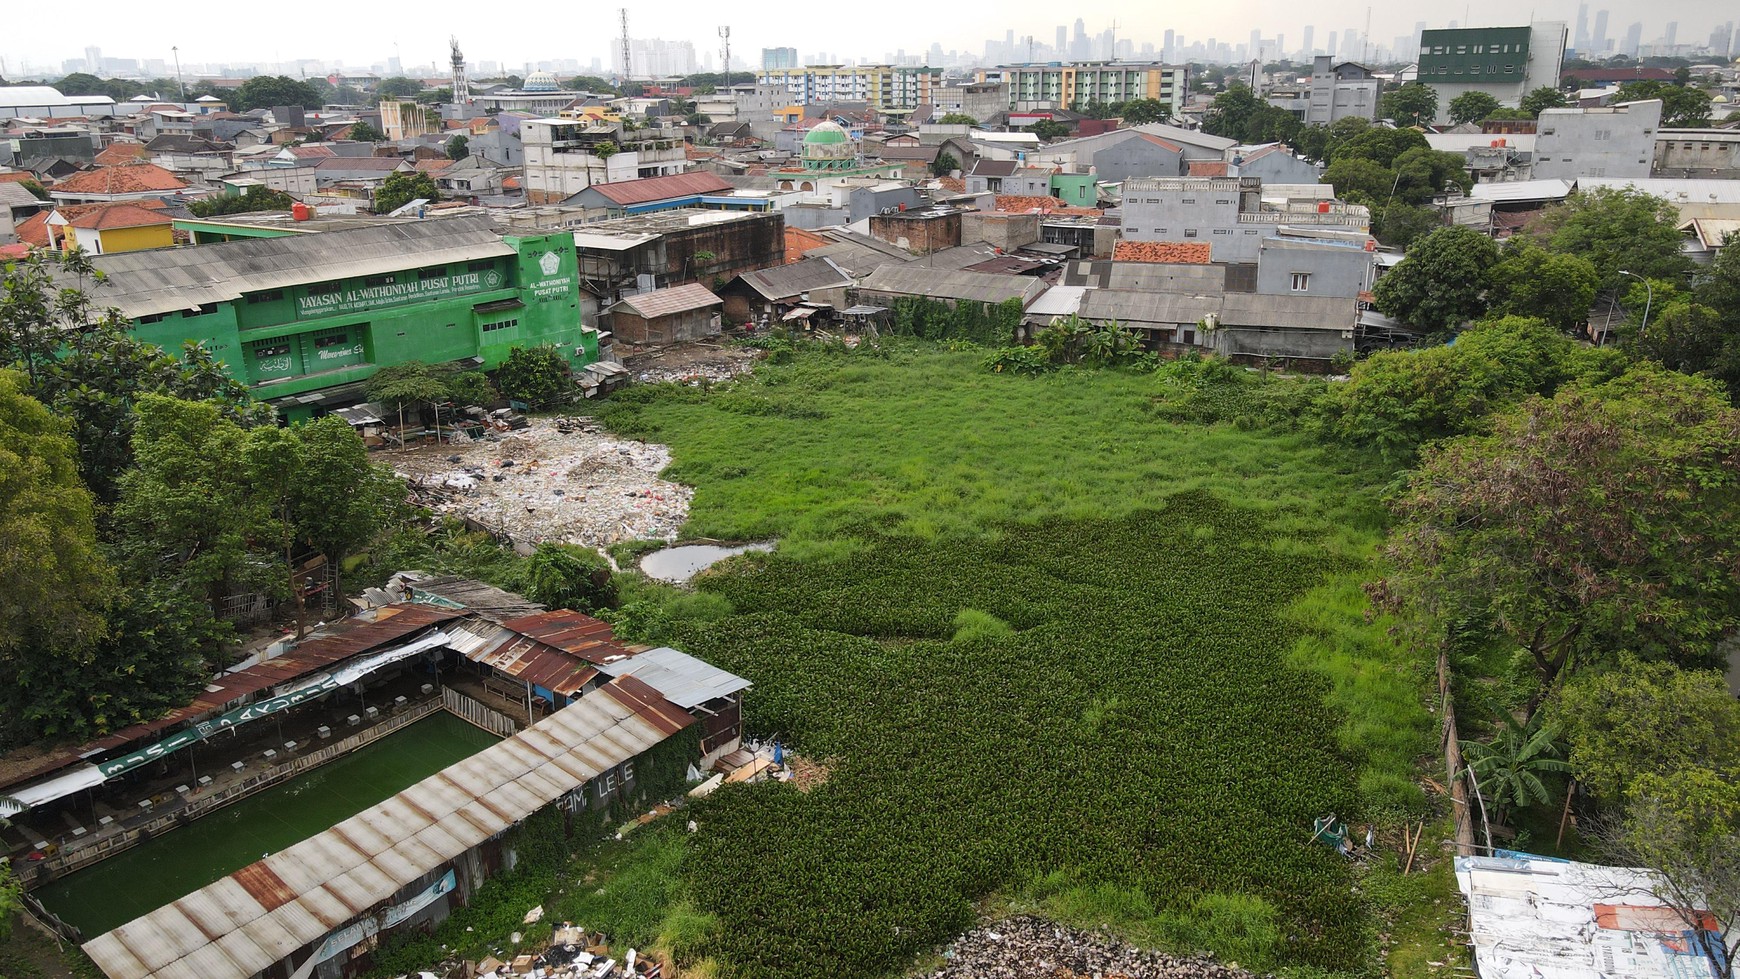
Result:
pixel 1075 189
pixel 303 339
pixel 1474 54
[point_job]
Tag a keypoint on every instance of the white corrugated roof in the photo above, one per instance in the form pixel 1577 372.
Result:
pixel 255 917
pixel 678 677
pixel 1675 190
pixel 1535 918
pixel 1522 190
pixel 1058 301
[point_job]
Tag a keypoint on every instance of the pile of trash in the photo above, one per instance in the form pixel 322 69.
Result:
pixel 693 364
pixel 556 480
pixel 572 954
pixel 1028 947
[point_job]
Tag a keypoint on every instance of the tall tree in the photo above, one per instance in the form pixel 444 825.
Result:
pixel 400 189
pixel 1413 104
pixel 1640 718
pixel 362 132
pixel 183 514
pixel 1616 229
pixel 341 500
pixel 1472 107
pixel 1441 283
pixel 1139 112
pixel 1545 97
pixel 397 87
pixel 1681 105
pixel 1230 112
pixel 266 91
pixel 1572 528
pixel 458 148
pixel 54 583
pixel 1531 281
pixel 272 463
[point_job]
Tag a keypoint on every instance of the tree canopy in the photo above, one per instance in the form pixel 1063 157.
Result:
pixel 1604 518
pixel 397 87
pixel 1641 718
pixel 1545 97
pixel 538 376
pixel 957 119
pixel 402 188
pixel 1412 104
pixel 1140 112
pixel 253 199
pixel 1472 106
pixel 1442 281
pixel 1682 105
pixel 266 91
pixel 1616 229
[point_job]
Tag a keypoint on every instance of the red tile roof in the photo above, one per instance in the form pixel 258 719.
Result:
pixel 132 178
pixel 1207 168
pixel 1162 252
pixel 127 215
pixel 798 241
pixel 432 166
pixel 118 153
pixel 15 250
pixel 1157 141
pixel 628 192
pixel 16 176
pixel 310 152
pixel 952 184
pixel 33 230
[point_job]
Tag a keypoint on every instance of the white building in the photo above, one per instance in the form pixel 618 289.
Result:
pixel 566 156
pixel 43 102
pixel 1611 141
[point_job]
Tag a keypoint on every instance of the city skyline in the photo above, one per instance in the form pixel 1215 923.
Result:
pixel 378 37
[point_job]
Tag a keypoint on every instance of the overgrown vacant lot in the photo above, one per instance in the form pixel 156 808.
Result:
pixel 1051 644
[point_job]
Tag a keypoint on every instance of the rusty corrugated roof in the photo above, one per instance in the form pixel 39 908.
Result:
pixel 573 633
pixel 392 623
pixel 260 915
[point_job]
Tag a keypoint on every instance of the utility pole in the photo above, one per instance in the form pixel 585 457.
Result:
pixel 627 68
pixel 176 50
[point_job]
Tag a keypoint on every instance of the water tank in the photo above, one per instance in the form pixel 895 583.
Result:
pixel 1322 207
pixel 300 211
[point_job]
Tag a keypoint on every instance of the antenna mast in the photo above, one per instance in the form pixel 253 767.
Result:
pixel 725 35
pixel 461 91
pixel 627 71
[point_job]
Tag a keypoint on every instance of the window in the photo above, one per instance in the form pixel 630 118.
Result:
pixel 1301 282
pixel 271 348
pixel 325 289
pixel 1189 232
pixel 1189 336
pixel 1222 231
pixel 377 280
pixel 331 340
pixel 269 296
pixel 500 325
pixel 1250 232
pixel 424 275
pixel 200 310
pixel 481 265
pixel 153 318
pixel 1188 200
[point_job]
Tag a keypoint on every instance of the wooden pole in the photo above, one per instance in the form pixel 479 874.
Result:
pixel 1453 762
pixel 1570 791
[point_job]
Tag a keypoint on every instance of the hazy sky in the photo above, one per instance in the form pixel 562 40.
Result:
pixel 360 34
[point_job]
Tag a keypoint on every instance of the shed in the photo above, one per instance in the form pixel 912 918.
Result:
pixel 771 291
pixel 950 286
pixel 675 315
pixel 705 691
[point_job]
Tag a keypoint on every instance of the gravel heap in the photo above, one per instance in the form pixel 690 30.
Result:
pixel 1027 947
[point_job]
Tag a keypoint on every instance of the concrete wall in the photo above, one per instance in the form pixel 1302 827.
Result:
pixel 867 201
pixel 1005 231
pixel 1339 270
pixel 922 233
pixel 1258 343
pixel 1136 158
pixel 1697 153
pixel 1281 167
pixel 1339 93
pixel 1616 141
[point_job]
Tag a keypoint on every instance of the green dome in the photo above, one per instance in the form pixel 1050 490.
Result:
pixel 826 132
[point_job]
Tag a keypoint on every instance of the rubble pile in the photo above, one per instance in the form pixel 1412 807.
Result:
pixel 1028 947
pixel 692 364
pixel 558 480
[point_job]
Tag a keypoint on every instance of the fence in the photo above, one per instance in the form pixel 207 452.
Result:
pixel 476 714
pixel 47 920
pixel 67 861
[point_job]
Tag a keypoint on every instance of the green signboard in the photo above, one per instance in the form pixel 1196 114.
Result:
pixel 223 722
pixel 1474 54
pixel 364 298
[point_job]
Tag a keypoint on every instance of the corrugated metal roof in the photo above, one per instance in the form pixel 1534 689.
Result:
pixel 1058 301
pixel 1150 277
pixel 1557 919
pixel 1522 190
pixel 1287 312
pixel 162 281
pixel 573 633
pixel 678 677
pixel 665 302
pixel 916 280
pixel 648 189
pixel 257 916
pixel 789 281
pixel 391 624
pixel 1159 308
pixel 521 657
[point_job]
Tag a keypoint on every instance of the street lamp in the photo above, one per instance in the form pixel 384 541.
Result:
pixel 1648 299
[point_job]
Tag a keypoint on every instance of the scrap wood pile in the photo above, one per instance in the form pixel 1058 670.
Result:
pixel 1028 947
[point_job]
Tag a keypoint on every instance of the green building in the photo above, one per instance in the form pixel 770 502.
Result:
pixel 304 319
pixel 1504 62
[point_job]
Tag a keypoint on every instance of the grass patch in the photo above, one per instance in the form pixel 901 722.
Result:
pixel 1043 628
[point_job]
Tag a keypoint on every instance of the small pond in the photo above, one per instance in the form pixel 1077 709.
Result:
pixel 676 565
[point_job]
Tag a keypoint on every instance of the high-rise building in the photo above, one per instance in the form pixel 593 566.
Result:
pixel 1720 39
pixel 883 86
pixel 1170 51
pixel 94 60
pixel 1073 86
pixel 1331 49
pixel 1633 40
pixel 1580 36
pixel 1598 43
pixel 1062 40
pixel 1504 62
pixel 1671 35
pixel 1305 47
pixel 779 58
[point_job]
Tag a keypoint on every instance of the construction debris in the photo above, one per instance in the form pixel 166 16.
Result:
pixel 573 953
pixel 692 364
pixel 1029 947
pixel 556 480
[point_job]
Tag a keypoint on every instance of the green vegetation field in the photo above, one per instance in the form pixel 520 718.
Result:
pixel 1051 645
